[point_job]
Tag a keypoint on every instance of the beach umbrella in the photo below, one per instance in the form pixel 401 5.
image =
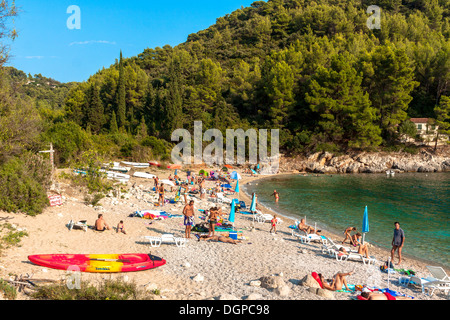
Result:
pixel 235 176
pixel 232 212
pixel 365 224
pixel 236 189
pixel 253 205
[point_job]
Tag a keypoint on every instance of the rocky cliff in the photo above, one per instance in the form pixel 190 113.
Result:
pixel 368 162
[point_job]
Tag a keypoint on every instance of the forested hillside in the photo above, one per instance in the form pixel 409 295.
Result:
pixel 312 69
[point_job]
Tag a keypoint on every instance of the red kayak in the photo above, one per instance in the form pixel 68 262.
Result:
pixel 129 262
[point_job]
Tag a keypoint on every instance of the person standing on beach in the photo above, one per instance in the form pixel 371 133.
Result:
pixel 161 194
pixel 188 213
pixel 212 220
pixel 274 224
pixel 397 242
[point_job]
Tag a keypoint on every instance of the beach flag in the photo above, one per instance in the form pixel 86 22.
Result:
pixel 365 224
pixel 232 212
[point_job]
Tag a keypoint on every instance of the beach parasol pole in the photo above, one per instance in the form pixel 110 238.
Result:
pixel 365 224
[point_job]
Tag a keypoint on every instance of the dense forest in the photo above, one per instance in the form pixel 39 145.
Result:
pixel 312 69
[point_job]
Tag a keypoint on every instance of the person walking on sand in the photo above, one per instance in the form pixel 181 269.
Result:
pixel 188 213
pixel 274 224
pixel 276 194
pixel 397 242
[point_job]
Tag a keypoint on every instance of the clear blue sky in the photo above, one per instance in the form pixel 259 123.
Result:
pixel 46 45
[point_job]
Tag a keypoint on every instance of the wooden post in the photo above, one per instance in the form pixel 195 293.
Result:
pixel 52 161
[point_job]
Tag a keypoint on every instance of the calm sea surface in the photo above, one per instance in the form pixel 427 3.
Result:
pixel 419 201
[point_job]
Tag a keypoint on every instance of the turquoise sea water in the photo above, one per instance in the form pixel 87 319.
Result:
pixel 418 201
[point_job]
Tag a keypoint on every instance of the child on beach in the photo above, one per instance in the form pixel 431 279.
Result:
pixel 274 224
pixel 121 227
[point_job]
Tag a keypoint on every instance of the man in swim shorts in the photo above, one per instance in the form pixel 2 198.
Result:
pixel 212 220
pixel 188 213
pixel 397 242
pixel 100 224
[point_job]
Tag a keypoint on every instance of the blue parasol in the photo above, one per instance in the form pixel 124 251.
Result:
pixel 236 189
pixel 253 205
pixel 365 224
pixel 232 212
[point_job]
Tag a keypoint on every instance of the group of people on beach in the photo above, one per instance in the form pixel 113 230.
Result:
pixel 397 243
pixel 101 225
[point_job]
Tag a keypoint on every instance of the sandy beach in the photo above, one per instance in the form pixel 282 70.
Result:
pixel 202 270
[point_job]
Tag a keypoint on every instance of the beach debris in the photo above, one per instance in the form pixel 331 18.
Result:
pixel 199 278
pixel 151 287
pixel 186 264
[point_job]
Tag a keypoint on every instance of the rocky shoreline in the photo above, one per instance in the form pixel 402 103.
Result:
pixel 368 162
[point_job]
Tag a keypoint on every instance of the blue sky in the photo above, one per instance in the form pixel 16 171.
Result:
pixel 47 46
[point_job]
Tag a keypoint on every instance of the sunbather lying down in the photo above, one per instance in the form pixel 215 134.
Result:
pixel 382 296
pixel 362 249
pixel 218 238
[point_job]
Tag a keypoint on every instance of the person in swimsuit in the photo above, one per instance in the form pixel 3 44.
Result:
pixel 188 213
pixel 218 238
pixel 212 220
pixel 397 242
pixel 348 235
pixel 276 194
pixel 305 228
pixel 274 224
pixel 121 227
pixel 362 249
pixel 338 281
pixel 161 194
pixel 100 224
pixel 382 296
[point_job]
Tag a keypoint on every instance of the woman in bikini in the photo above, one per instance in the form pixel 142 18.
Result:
pixel 338 281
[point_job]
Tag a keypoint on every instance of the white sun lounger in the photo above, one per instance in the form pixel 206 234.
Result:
pixel 307 238
pixel 439 281
pixel 166 238
pixel 265 217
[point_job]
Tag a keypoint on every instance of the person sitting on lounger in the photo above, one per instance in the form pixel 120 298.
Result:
pixel 338 281
pixel 308 229
pixel 362 249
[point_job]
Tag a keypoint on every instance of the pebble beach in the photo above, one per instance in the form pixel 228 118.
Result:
pixel 264 266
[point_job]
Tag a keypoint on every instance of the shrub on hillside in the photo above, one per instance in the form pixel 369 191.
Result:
pixel 23 184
